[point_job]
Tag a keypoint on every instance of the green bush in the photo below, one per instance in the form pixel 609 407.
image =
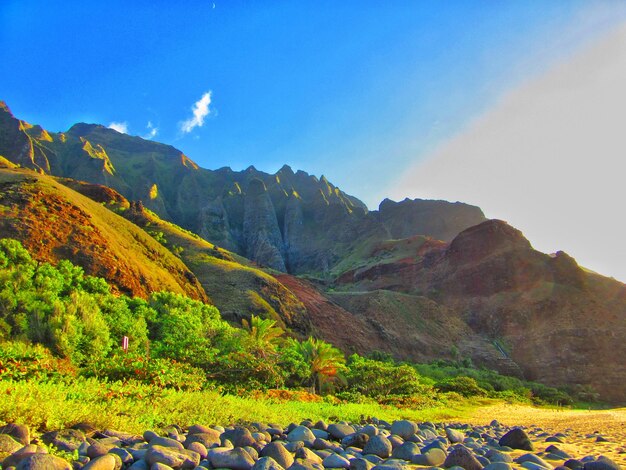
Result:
pixel 160 372
pixel 22 361
pixel 462 385
pixel 379 379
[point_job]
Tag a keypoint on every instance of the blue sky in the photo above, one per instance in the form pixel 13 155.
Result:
pixel 359 91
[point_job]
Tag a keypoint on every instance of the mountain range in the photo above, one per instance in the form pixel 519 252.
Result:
pixel 418 279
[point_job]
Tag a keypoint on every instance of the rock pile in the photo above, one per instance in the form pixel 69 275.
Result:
pixel 376 445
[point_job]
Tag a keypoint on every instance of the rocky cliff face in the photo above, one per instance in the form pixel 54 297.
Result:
pixel 559 323
pixel 439 219
pixel 289 221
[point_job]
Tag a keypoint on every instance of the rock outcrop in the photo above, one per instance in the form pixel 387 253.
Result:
pixel 289 221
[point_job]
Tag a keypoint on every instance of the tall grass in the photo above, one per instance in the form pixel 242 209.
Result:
pixel 135 408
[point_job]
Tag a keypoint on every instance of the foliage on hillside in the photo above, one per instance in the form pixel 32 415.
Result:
pixel 177 342
pixel 225 275
pixel 55 222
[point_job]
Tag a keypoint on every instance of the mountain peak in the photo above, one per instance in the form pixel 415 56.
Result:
pixel 285 169
pixel 83 128
pixel 4 107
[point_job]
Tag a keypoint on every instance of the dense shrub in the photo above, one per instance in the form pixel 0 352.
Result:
pixel 379 379
pixel 176 342
pixel 21 361
pixel 161 372
pixel 462 385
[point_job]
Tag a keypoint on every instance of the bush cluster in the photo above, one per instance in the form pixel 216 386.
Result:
pixel 179 343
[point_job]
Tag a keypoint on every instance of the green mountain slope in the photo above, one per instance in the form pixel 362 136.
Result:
pixel 290 221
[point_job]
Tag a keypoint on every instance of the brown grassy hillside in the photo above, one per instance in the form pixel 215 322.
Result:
pixel 54 222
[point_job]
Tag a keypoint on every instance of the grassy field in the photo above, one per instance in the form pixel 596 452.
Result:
pixel 135 408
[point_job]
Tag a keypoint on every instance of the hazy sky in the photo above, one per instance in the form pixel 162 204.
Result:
pixel 511 105
pixel 549 157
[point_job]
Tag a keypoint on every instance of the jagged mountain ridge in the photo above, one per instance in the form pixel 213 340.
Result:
pixel 382 283
pixel 289 221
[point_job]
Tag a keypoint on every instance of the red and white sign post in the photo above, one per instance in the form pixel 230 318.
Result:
pixel 125 344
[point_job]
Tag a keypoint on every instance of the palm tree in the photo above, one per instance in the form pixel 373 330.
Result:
pixel 325 360
pixel 264 335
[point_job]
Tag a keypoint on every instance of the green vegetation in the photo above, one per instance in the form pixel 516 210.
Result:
pixel 135 407
pixel 60 332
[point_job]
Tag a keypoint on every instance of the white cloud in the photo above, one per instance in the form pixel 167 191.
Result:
pixel 200 110
pixel 152 131
pixel 549 158
pixel 119 127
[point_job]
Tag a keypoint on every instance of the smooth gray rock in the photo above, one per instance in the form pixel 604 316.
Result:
pixel 321 444
pixel 301 433
pixel 123 454
pixel 140 464
pixel 534 459
pixel 235 459
pixel 395 440
pixel 370 430
pixel 454 436
pixel 431 445
pixel 266 463
pixel 498 466
pixel 497 456
pixel 461 456
pixel 160 466
pixel 166 442
pixel 361 464
pixel 339 430
pixel 8 445
pixel 308 454
pixel 558 453
pixel 199 448
pixel 603 463
pixel 574 463
pixel 378 445
pixel 207 439
pixel 98 449
pixel 295 445
pixel 404 428
pixel 406 451
pixel 19 432
pixel 239 436
pixel 43 462
pixel 16 457
pixel 104 462
pixel 277 451
pixel 336 461
pixel 176 458
pixel 321 425
pixel 434 457
pixel 358 439
pixel 301 464
pixel 516 438
pixel 320 433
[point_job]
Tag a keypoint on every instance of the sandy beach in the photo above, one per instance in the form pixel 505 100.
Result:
pixel 581 426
